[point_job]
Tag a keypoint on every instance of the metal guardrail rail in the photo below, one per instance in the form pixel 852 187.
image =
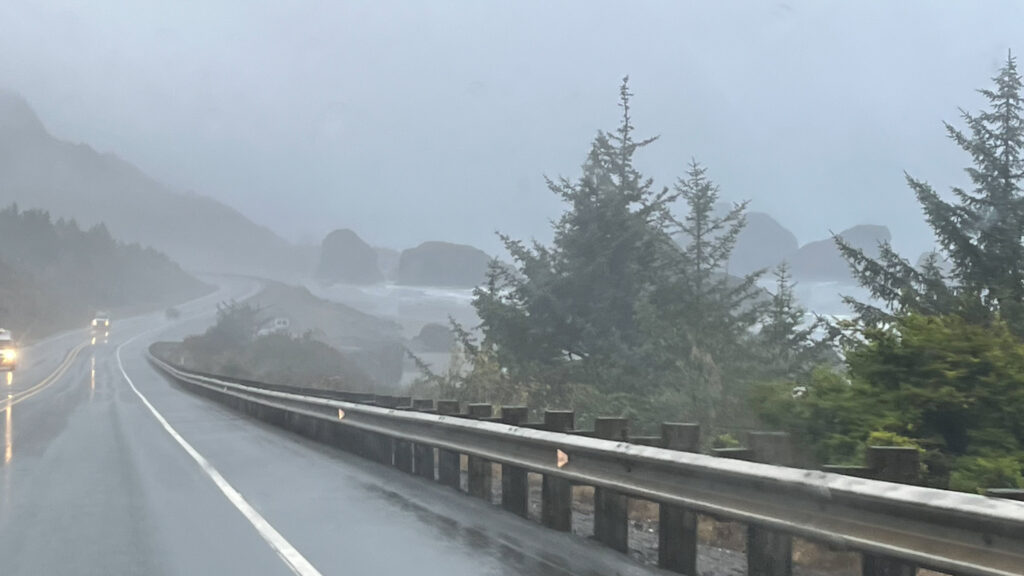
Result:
pixel 947 531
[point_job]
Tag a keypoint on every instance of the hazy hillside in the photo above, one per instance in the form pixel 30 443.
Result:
pixel 54 275
pixel 373 344
pixel 339 325
pixel 74 181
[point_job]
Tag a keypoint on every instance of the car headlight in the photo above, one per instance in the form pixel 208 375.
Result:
pixel 9 355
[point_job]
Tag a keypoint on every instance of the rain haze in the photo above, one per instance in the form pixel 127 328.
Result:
pixel 409 121
pixel 511 288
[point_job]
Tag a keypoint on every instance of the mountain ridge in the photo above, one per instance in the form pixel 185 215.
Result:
pixel 75 181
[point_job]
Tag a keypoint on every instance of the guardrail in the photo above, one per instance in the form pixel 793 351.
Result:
pixel 897 527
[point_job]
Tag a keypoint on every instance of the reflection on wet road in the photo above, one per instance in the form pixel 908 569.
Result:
pixel 98 485
pixel 21 395
pixel 8 431
pixel 14 395
pixel 8 455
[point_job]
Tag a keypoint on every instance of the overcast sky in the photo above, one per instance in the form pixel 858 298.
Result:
pixel 419 120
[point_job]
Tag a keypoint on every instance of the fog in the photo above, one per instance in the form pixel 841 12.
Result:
pixel 409 121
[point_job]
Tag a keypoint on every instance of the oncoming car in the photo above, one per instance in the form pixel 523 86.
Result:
pixel 101 323
pixel 8 352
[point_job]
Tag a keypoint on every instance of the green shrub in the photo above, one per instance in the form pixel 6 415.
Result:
pixel 725 441
pixel 976 474
pixel 953 389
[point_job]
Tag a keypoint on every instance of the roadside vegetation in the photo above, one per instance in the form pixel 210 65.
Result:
pixel 938 364
pixel 233 347
pixel 631 311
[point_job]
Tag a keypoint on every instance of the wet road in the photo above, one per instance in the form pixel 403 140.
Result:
pixel 92 482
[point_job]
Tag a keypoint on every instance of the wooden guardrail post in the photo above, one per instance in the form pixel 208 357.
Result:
pixel 769 552
pixel 891 464
pixel 423 404
pixel 515 491
pixel 403 448
pixel 479 470
pixel 422 454
pixel 899 464
pixel 363 442
pixel 301 425
pixel 556 493
pixel 611 509
pixel 677 526
pixel 314 429
pixel 385 445
pixel 448 468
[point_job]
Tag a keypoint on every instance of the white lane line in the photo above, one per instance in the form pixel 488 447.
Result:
pixel 296 561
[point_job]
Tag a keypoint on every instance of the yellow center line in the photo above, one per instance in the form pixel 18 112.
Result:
pixel 53 377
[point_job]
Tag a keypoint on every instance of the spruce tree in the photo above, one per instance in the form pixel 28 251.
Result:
pixel 938 365
pixel 786 338
pixel 573 303
pixel 699 319
pixel 718 310
pixel 980 230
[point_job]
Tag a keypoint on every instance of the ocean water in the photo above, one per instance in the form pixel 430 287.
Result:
pixel 411 306
pixel 414 306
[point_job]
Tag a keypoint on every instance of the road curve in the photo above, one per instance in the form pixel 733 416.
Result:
pixel 103 476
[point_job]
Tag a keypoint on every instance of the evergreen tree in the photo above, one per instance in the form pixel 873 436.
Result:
pixel 719 309
pixel 946 385
pixel 980 231
pixel 786 338
pixel 574 303
pixel 699 319
pixel 939 364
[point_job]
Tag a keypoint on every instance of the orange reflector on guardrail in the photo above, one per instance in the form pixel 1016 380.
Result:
pixel 562 458
pixel 341 413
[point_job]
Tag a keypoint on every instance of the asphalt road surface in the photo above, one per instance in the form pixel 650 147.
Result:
pixel 108 468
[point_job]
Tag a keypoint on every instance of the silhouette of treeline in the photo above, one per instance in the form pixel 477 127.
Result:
pixel 54 275
pixel 614 317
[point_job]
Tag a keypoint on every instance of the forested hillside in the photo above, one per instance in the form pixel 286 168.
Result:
pixel 55 275
pixel 38 170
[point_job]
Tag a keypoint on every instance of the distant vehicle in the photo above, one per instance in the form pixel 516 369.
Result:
pixel 101 323
pixel 8 352
pixel 276 326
